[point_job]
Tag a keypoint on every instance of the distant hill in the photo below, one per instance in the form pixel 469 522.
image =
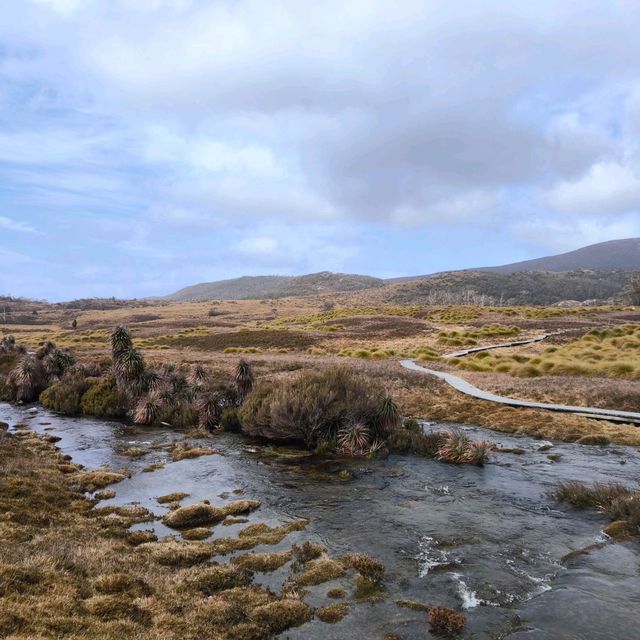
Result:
pixel 614 255
pixel 520 288
pixel 599 271
pixel 258 287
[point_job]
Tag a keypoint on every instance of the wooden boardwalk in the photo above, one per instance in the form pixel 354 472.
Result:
pixel 467 388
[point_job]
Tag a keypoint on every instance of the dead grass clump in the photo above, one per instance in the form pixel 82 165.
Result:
pixel 211 580
pixel 172 553
pixel 120 583
pixel 413 605
pixel 445 621
pixel 129 514
pixel 185 451
pixel 197 533
pixel 240 507
pixel 105 494
pixel 133 452
pixel 262 562
pixel 307 551
pixel 367 567
pixel 135 538
pixel 336 593
pixel 113 607
pixel 194 515
pixel 597 496
pixel 282 614
pixel 177 496
pixel 320 570
pixel 333 613
pixel 92 480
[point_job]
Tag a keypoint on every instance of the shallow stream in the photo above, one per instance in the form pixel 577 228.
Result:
pixel 487 540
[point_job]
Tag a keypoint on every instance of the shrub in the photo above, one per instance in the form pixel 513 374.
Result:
pixel 103 399
pixel 316 407
pixel 65 396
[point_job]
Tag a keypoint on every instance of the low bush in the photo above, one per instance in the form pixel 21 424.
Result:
pixel 65 396
pixel 333 407
pixel 103 399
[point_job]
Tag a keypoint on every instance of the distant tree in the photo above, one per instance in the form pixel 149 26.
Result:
pixel 74 324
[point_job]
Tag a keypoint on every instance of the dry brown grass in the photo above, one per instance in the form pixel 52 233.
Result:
pixel 69 570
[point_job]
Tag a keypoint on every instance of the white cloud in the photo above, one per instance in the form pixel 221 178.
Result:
pixel 555 235
pixel 15 225
pixel 607 188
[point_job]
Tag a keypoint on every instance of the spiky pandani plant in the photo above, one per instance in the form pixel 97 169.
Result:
pixel 388 416
pixel 130 364
pixel 120 342
pixel 210 407
pixel 243 379
pixel 178 384
pixel 148 410
pixel 354 439
pixel 458 448
pixel 57 362
pixel 7 344
pixel 28 378
pixel 198 374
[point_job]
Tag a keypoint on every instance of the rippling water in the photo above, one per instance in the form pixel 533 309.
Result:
pixel 486 540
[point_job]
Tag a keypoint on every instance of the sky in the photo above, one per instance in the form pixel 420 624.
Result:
pixel 147 145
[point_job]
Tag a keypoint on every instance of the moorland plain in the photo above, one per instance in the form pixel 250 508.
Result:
pixel 591 355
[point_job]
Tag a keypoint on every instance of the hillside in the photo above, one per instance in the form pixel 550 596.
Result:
pixel 520 288
pixel 613 255
pixel 257 287
pixel 599 271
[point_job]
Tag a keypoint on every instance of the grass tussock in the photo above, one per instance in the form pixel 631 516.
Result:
pixel 262 562
pixel 612 352
pixel 177 496
pixel 319 571
pixel 618 503
pixel 92 480
pixel 202 514
pixel 332 613
pixel 185 451
pixel 447 446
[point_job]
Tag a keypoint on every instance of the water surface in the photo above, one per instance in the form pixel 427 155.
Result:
pixel 487 540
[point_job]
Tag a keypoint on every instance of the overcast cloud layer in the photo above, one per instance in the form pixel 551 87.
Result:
pixel 152 144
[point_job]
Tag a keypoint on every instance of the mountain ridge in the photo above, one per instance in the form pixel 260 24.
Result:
pixel 611 256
